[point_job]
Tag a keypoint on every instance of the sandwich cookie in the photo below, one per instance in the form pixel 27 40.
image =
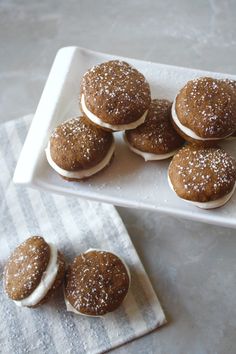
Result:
pixel 155 139
pixel 232 83
pixel 115 96
pixel 96 283
pixel 203 176
pixel 77 149
pixel 204 111
pixel 33 272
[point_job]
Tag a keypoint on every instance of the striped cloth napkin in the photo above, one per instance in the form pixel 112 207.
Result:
pixel 74 225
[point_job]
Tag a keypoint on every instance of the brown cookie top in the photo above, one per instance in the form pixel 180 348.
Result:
pixel 96 282
pixel 156 135
pixel 25 267
pixel 208 107
pixel 116 92
pixel 202 174
pixel 230 82
pixel 77 144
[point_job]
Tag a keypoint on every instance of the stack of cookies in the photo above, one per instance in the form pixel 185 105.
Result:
pixel 204 113
pixel 116 97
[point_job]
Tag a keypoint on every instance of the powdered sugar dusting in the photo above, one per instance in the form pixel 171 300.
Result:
pixel 156 134
pixel 25 268
pixel 117 89
pixel 97 283
pixel 204 171
pixel 208 107
pixel 77 143
pixel 231 83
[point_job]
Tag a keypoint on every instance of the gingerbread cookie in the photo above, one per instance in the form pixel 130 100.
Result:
pixel 77 149
pixel 155 139
pixel 96 283
pixel 205 110
pixel 33 272
pixel 203 176
pixel 115 96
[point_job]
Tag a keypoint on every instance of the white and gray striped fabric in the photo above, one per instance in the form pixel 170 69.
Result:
pixel 74 225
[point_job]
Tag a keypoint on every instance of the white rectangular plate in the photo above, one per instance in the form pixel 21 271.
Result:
pixel 129 181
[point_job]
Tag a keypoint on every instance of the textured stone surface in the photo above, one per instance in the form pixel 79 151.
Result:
pixel 198 34
pixel 192 266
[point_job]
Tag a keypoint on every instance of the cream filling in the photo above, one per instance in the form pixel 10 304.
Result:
pixel 81 173
pixel 188 131
pixel 46 282
pixel 70 308
pixel 207 205
pixel 148 156
pixel 100 122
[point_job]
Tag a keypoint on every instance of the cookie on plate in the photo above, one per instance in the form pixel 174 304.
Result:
pixel 232 83
pixel 203 176
pixel 115 96
pixel 155 139
pixel 33 272
pixel 78 149
pixel 96 283
pixel 204 110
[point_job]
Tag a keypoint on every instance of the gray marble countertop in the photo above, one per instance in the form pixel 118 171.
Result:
pixel 191 265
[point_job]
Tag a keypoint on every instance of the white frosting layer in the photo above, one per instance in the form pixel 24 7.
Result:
pixel 81 173
pixel 100 122
pixel 207 205
pixel 46 282
pixel 70 308
pixel 188 131
pixel 148 156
